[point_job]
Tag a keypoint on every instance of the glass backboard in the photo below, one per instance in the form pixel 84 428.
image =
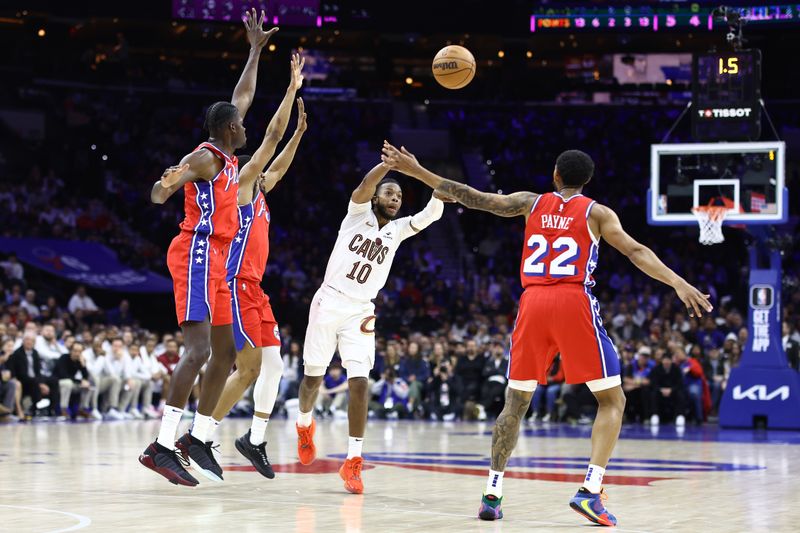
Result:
pixel 746 177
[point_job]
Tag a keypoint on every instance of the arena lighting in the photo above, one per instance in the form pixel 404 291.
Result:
pixel 409 80
pixel 529 54
pixel 501 54
pixel 41 32
pixel 272 47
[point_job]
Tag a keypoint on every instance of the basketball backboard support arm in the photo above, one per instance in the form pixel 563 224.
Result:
pixel 677 121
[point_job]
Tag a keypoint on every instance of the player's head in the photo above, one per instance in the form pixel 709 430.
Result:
pixel 224 122
pixel 388 199
pixel 573 169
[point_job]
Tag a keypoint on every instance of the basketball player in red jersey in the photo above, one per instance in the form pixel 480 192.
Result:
pixel 196 260
pixel 255 329
pixel 557 312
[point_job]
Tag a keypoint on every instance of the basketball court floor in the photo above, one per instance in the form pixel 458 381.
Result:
pixel 420 476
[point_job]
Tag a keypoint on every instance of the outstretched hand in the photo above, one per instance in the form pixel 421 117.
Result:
pixel 695 301
pixel 256 36
pixel 399 160
pixel 298 62
pixel 302 125
pixel 173 175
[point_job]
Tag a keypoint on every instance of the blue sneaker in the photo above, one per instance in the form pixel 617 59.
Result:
pixel 490 507
pixel 591 506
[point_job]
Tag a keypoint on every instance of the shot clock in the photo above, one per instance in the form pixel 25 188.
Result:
pixel 726 92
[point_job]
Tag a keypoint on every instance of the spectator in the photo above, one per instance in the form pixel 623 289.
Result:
pixel 29 304
pixel 695 385
pixel 291 371
pixel 140 382
pixel 82 303
pixel 48 348
pixel 13 268
pixel 791 346
pixel 445 393
pixel 333 392
pixel 636 385
pixel 168 360
pixel 26 367
pixel 10 388
pixel 550 390
pixel 494 380
pixel 716 372
pixel 390 395
pixel 108 382
pixel 119 365
pixel 669 397
pixel 470 369
pixel 121 315
pixel 415 370
pixel 73 377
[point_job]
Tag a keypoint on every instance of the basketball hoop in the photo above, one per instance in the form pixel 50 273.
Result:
pixel 710 218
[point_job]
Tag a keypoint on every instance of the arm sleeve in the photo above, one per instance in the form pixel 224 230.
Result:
pixel 432 212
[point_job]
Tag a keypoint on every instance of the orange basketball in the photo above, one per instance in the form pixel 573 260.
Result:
pixel 454 67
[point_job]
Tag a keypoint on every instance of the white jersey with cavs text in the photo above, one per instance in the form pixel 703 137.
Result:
pixel 362 256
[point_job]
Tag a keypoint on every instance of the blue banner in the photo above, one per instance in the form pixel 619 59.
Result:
pixel 87 263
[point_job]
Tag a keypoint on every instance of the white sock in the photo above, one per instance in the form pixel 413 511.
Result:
pixel 494 485
pixel 169 426
pixel 354 445
pixel 594 478
pixel 212 432
pixel 200 427
pixel 257 430
pixel 304 419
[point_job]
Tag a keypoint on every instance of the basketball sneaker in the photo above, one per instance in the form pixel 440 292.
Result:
pixel 592 507
pixel 490 507
pixel 257 455
pixel 168 463
pixel 200 455
pixel 350 472
pixel 306 450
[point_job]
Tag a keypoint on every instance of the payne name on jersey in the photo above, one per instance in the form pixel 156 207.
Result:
pixel 556 222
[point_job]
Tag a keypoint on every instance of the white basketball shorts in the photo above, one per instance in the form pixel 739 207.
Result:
pixel 337 321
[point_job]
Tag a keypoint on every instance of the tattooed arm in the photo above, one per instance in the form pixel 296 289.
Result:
pixel 510 205
pixel 506 429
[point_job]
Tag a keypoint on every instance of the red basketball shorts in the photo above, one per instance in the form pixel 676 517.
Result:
pixel 561 319
pixel 197 265
pixel 253 321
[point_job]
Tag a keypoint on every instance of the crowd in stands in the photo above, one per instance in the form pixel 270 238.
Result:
pixel 442 344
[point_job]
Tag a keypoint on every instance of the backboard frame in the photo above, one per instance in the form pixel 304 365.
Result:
pixel 782 194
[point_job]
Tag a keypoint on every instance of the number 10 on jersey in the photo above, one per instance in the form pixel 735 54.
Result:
pixel 561 265
pixel 363 274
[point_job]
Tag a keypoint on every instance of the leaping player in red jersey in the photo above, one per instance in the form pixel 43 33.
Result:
pixel 557 311
pixel 255 330
pixel 196 261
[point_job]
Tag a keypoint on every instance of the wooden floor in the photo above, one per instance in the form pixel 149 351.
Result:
pixel 422 477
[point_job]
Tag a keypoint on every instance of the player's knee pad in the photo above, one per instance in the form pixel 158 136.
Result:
pixel 271 362
pixel 357 369
pixel 598 385
pixel 528 385
pixel 314 371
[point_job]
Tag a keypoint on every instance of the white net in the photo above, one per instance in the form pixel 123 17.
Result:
pixel 710 219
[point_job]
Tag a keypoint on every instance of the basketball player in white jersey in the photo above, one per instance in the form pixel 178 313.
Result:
pixel 342 314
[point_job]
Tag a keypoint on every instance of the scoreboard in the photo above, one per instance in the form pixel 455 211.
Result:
pixel 726 94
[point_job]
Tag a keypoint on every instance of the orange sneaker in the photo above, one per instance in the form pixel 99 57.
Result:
pixel 350 472
pixel 306 450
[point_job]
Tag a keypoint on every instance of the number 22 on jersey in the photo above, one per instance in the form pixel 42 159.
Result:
pixel 560 266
